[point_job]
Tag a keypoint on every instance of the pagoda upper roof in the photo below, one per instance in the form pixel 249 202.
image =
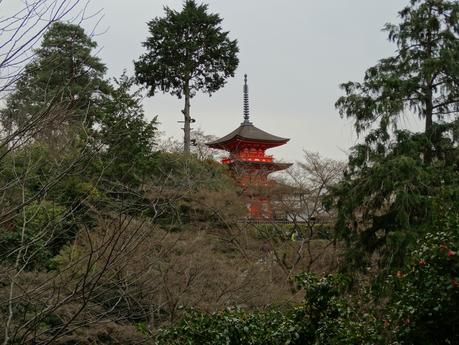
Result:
pixel 247 132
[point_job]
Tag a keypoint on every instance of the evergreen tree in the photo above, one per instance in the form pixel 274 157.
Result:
pixel 63 84
pixel 128 140
pixel 423 77
pixel 396 178
pixel 187 52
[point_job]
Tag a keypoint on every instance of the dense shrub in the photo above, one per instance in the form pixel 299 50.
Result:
pixel 424 305
pixel 325 317
pixel 38 231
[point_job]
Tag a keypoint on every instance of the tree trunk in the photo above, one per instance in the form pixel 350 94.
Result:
pixel 187 125
pixel 429 127
pixel 429 100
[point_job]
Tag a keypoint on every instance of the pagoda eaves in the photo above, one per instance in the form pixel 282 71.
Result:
pixel 247 134
pixel 248 161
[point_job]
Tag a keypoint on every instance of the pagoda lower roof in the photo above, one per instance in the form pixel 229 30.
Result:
pixel 247 132
pixel 268 166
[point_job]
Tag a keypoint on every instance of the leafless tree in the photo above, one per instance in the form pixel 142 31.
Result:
pixel 299 237
pixel 198 145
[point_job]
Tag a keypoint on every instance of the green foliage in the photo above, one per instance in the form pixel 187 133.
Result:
pixel 127 140
pixel 427 62
pixel 331 317
pixel 63 82
pixel 187 48
pixel 323 318
pixel 395 178
pixel 385 203
pixel 80 170
pixel 35 236
pixel 80 140
pixel 424 302
pixel 44 200
pixel 233 326
pixel 187 52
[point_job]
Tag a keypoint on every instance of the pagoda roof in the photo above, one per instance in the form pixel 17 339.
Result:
pixel 273 166
pixel 249 133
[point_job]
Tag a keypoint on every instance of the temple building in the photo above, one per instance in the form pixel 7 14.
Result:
pixel 249 163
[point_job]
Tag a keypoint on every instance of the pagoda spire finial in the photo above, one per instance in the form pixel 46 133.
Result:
pixel 246 103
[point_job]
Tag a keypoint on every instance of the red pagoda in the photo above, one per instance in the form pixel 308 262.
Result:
pixel 249 163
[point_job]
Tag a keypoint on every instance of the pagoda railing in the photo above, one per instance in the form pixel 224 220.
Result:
pixel 248 157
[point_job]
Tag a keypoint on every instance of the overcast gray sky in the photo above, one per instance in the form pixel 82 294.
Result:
pixel 295 52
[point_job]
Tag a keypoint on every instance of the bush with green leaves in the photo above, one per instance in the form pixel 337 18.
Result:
pixel 35 236
pixel 235 326
pixel 324 317
pixel 424 302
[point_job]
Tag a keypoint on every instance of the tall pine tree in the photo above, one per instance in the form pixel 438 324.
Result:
pixel 61 87
pixel 187 52
pixel 397 181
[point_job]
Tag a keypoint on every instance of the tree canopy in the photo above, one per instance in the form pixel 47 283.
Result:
pixel 396 179
pixel 187 52
pixel 65 79
pixel 421 78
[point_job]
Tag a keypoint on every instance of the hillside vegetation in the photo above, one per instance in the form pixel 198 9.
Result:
pixel 111 235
